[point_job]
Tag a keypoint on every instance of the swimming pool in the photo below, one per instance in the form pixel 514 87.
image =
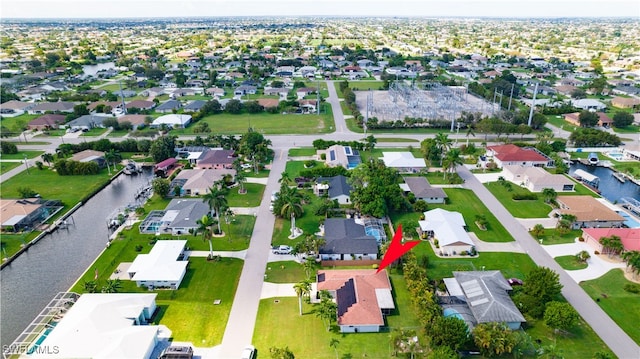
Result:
pixel 450 312
pixel 615 155
pixel 628 220
pixel 375 232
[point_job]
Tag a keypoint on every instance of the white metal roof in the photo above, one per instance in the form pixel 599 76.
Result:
pixel 161 263
pixel 447 226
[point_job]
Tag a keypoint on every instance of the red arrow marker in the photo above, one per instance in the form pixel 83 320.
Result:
pixel 396 249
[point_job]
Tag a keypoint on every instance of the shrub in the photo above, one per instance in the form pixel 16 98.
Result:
pixel 596 252
pixel 323 156
pixel 309 163
pixel 632 288
pixel 8 148
pixel 524 197
pixel 139 248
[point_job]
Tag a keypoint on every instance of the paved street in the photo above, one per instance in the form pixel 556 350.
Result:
pixel 619 342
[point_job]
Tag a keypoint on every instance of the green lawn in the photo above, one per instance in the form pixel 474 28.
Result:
pixel 94 132
pixel 468 204
pixel 628 129
pixel 266 123
pixel 278 322
pixel 552 236
pixel 250 199
pixel 521 208
pixel 11 243
pixel 285 272
pixel 570 262
pixel 395 139
pixel 364 85
pixel 18 123
pixel 8 166
pixel 623 307
pixel 303 151
pixel 559 122
pixel 293 168
pixel 309 223
pixel 190 312
pixel 20 155
pixel 69 189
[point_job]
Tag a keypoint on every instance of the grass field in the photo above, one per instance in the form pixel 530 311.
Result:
pixel 623 307
pixel 18 123
pixel 468 204
pixel 303 151
pixel 395 139
pixel 293 168
pixel 308 222
pixel 20 155
pixel 284 272
pixel 8 166
pixel 278 322
pixel 365 85
pixel 522 208
pixel 266 123
pixel 11 243
pixel 251 199
pixel 561 123
pixel 69 189
pixel 570 262
pixel 552 236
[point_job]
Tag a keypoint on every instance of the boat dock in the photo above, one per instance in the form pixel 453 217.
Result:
pixel 587 178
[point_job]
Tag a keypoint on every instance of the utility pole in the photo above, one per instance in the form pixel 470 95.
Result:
pixel 493 103
pixel 533 104
pixel 511 97
pixel 26 164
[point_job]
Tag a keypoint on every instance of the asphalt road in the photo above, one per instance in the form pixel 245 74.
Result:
pixel 619 342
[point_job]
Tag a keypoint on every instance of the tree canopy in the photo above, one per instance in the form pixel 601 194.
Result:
pixel 375 189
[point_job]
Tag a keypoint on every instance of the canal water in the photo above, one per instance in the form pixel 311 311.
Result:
pixel 610 187
pixel 54 263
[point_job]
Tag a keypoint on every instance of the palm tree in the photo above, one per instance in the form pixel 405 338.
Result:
pixel 538 230
pixel 111 157
pixel 443 142
pixel 217 200
pixel 452 160
pixel 241 179
pixel 470 132
pixel 632 258
pixel 291 207
pixel 112 286
pixel 285 179
pixel 90 286
pixel 204 226
pixel 549 194
pixel 327 308
pixel 315 243
pixel 334 344
pixel 583 256
pixel 370 143
pixel 47 157
pixel 302 288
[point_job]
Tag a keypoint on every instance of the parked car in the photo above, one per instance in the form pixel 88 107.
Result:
pixel 249 352
pixel 514 281
pixel 274 196
pixel 282 249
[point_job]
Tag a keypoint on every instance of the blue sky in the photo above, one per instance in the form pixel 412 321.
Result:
pixel 428 8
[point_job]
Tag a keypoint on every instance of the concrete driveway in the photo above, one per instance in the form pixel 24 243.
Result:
pixel 597 266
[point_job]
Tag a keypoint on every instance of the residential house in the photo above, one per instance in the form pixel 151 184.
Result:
pixel 588 104
pixel 43 107
pixel 307 106
pixel 244 90
pixel 347 240
pixel 448 228
pixel 630 237
pixel 566 90
pixel 510 154
pixel 46 122
pixel 169 106
pixel 336 188
pixel 194 106
pixel 215 92
pixel 87 122
pixel 141 104
pixel 479 297
pixel 422 190
pixel 603 119
pixel 172 121
pixel 625 102
pixel 112 104
pixel 163 168
pixel 196 182
pixel 536 179
pixel 163 267
pixel 403 162
pixel 589 212
pixel 15 108
pixel 19 214
pixel 90 156
pixel 134 120
pixel 179 218
pixel 304 91
pixel 276 91
pixel 103 325
pixel 217 159
pixel 268 102
pixel 363 298
pixel 338 155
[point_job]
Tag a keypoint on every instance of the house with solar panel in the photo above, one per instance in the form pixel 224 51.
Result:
pixel 480 297
pixel 343 156
pixel 363 298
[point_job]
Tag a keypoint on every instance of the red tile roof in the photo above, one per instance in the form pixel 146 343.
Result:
pixel 362 283
pixel 630 237
pixel 511 152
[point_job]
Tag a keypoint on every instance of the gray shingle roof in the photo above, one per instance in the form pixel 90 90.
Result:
pixel 421 188
pixel 169 105
pixel 338 186
pixel 190 211
pixel 487 296
pixel 345 236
